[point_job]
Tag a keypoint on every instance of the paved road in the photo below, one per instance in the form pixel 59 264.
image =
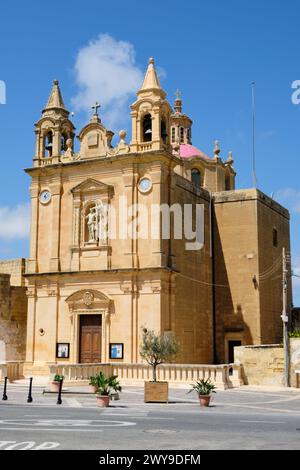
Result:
pixel 238 419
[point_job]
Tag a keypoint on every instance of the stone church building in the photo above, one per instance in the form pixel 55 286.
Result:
pixel 89 293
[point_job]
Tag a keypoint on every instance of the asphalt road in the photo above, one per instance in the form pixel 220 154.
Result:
pixel 237 419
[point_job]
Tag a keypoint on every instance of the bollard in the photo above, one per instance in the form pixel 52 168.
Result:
pixel 29 399
pixel 4 391
pixel 59 400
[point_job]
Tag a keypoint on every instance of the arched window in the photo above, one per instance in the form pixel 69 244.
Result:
pixel 196 177
pixel 48 144
pixel 188 135
pixel 64 138
pixel 147 128
pixel 163 131
pixel 173 134
pixel 182 135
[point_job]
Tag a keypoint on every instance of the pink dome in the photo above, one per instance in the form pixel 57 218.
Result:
pixel 187 151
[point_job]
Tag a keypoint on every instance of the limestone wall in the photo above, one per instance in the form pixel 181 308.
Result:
pixel 16 269
pixel 264 365
pixel 13 315
pixel 295 361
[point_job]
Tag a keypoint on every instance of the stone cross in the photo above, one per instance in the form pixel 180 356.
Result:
pixel 95 107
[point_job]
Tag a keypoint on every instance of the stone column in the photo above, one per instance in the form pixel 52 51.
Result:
pixel 75 263
pixel 134 130
pixel 127 241
pixel 158 257
pixel 156 129
pixel 32 262
pixel 31 312
pixel 55 226
pixel 56 145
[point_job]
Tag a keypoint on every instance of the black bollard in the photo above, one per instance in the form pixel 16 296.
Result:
pixel 59 400
pixel 29 399
pixel 4 391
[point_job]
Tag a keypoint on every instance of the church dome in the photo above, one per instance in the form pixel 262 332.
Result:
pixel 188 151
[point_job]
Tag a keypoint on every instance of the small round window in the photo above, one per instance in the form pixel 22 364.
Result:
pixel 145 185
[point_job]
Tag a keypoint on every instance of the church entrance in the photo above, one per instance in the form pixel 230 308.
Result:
pixel 90 339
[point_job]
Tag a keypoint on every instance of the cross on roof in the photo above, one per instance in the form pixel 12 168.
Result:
pixel 95 107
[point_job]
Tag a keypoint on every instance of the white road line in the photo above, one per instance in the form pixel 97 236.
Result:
pixel 51 429
pixel 262 422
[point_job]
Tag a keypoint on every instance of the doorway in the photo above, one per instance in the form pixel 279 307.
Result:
pixel 231 345
pixel 90 339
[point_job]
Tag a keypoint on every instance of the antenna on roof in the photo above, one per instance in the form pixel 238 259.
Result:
pixel 253 137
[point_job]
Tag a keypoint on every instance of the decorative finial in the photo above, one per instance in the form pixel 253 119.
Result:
pixel 122 135
pixel 230 158
pixel 217 148
pixel 151 60
pixel 55 82
pixel 95 107
pixel 178 103
pixel 178 94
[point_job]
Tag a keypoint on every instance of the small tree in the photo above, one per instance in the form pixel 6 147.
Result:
pixel 157 349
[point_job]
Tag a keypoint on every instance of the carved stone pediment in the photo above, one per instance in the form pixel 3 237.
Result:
pixel 89 299
pixel 91 186
pixel 94 139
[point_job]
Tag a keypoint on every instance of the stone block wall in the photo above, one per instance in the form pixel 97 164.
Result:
pixel 264 365
pixel 16 269
pixel 13 318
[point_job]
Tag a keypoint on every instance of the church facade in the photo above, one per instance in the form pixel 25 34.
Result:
pixel 103 265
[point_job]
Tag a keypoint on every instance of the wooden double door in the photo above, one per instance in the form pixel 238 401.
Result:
pixel 90 339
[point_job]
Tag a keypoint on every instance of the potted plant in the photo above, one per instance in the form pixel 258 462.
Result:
pixel 55 383
pixel 93 384
pixel 157 349
pixel 204 389
pixel 106 387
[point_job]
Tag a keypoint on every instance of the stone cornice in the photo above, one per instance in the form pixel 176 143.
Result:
pixel 133 158
pixel 239 195
pixel 103 271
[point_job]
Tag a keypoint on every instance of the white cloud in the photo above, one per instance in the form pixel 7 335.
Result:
pixel 105 71
pixel 290 197
pixel 14 222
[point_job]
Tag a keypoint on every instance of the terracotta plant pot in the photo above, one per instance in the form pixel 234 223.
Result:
pixel 103 401
pixel 93 388
pixel 54 387
pixel 156 392
pixel 204 400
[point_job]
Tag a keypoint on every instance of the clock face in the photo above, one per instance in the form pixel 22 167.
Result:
pixel 145 184
pixel 45 196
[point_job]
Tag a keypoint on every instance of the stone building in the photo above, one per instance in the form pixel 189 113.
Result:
pixel 13 310
pixel 98 271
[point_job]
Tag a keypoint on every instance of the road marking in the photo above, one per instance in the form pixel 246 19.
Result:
pixel 27 445
pixel 51 429
pixel 261 422
pixel 83 423
pixel 72 402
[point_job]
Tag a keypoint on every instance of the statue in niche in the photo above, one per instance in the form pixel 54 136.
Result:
pixel 92 225
pixel 96 222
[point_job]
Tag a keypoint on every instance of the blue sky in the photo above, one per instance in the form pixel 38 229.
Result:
pixel 212 51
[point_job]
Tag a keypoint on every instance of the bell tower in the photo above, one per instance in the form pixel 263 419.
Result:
pixel 181 124
pixel 150 115
pixel 54 131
